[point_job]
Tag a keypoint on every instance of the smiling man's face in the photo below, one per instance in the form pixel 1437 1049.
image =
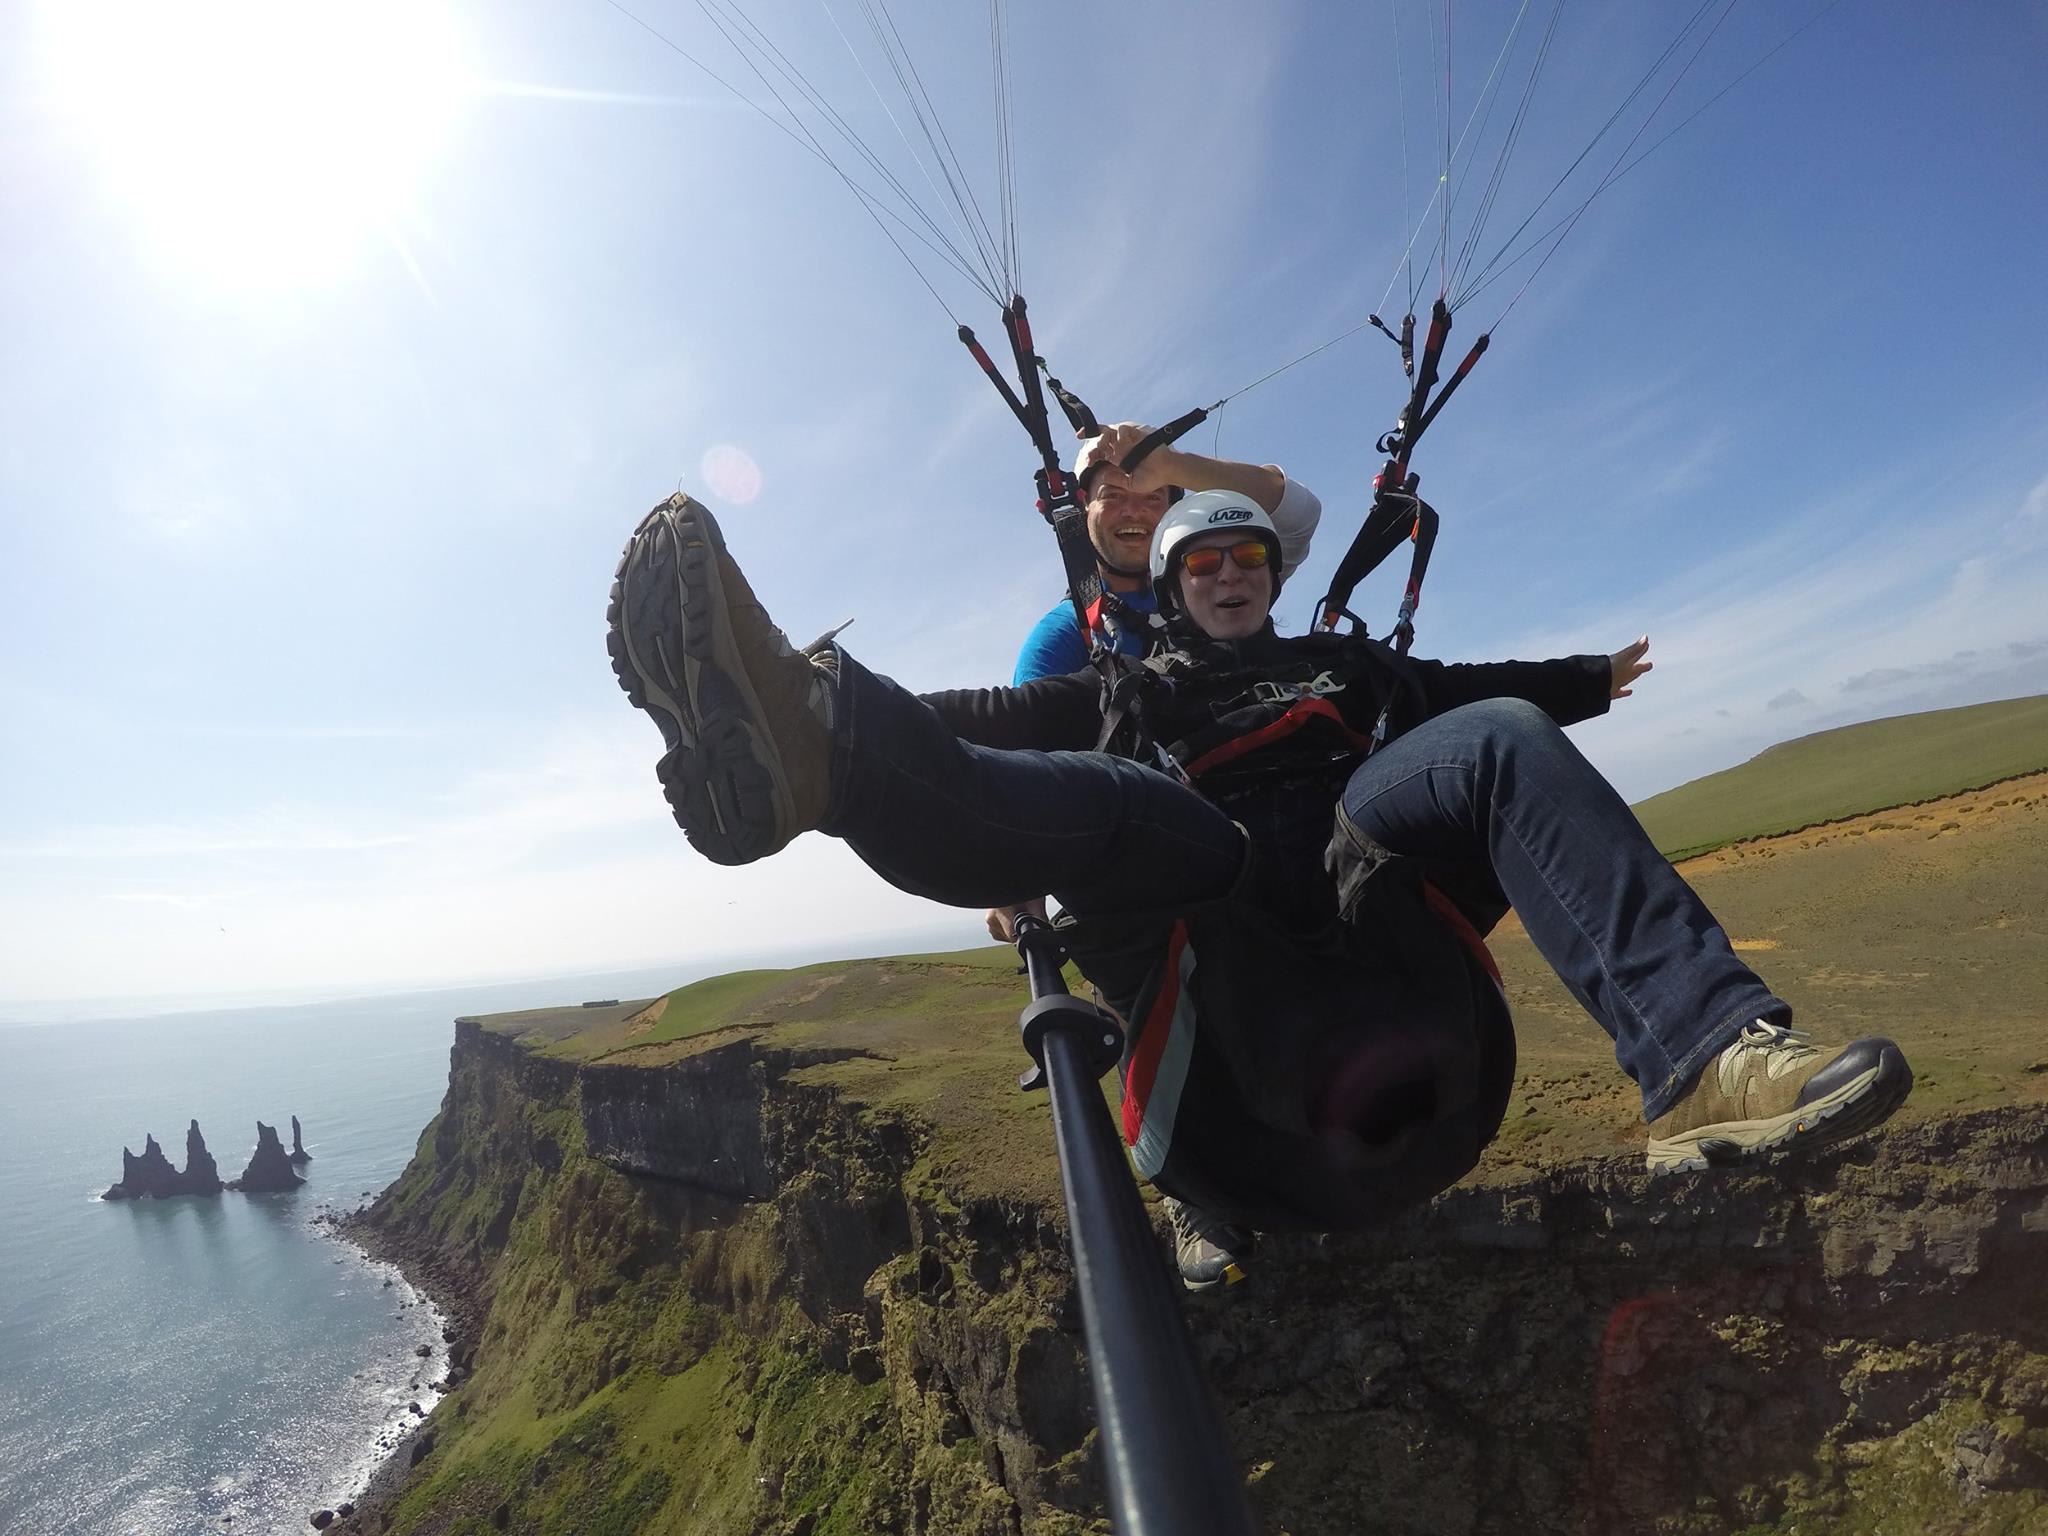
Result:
pixel 1121 520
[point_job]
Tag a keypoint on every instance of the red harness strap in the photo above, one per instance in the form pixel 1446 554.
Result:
pixel 1151 1045
pixel 1298 715
pixel 1461 925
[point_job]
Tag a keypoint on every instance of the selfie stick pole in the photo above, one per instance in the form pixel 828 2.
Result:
pixel 1170 1470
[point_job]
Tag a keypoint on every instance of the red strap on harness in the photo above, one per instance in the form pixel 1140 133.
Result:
pixel 1298 715
pixel 1461 925
pixel 1143 1066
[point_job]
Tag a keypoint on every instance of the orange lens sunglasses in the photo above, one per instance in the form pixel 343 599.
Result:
pixel 1251 555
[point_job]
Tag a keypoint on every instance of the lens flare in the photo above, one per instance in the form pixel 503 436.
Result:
pixel 731 474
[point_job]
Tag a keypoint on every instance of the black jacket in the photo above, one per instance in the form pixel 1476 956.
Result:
pixel 1270 727
pixel 1203 695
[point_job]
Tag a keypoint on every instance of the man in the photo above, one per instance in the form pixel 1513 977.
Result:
pixel 1122 512
pixel 1307 1049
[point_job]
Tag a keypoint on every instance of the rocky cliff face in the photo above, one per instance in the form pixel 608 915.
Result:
pixel 719 1298
pixel 151 1176
pixel 270 1167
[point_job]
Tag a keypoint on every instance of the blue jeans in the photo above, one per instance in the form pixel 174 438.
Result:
pixel 1497 790
pixel 1492 798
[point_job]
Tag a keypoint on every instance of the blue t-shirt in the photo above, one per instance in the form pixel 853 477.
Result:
pixel 1055 647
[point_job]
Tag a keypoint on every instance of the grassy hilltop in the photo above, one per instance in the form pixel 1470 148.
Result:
pixel 1850 772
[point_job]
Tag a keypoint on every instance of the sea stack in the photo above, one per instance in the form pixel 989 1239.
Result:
pixel 151 1176
pixel 202 1174
pixel 270 1167
pixel 299 1152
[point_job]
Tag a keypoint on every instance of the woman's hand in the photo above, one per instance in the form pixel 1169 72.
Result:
pixel 1625 666
pixel 1002 921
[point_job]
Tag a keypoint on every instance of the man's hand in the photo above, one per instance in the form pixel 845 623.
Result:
pixel 1625 666
pixel 1171 466
pixel 1108 450
pixel 1002 921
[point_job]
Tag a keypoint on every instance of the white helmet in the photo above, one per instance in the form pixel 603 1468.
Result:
pixel 1206 512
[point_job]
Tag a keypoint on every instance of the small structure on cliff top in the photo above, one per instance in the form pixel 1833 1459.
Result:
pixel 270 1166
pixel 151 1176
pixel 299 1152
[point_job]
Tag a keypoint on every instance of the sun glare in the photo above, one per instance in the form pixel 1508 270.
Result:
pixel 261 142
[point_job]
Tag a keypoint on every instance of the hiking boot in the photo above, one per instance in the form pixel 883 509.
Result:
pixel 1773 1087
pixel 1210 1251
pixel 747 720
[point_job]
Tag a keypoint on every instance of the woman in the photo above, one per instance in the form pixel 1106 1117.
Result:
pixel 1327 825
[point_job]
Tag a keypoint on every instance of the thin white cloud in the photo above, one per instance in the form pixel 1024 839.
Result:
pixel 285 831
pixel 1857 627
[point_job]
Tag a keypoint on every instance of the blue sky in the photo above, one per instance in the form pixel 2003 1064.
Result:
pixel 342 359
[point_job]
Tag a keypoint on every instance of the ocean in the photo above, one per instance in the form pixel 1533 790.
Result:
pixel 217 1365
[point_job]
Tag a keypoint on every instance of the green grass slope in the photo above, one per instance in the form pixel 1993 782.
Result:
pixel 1849 772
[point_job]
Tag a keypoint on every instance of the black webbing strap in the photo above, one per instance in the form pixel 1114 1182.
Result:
pixel 1418 567
pixel 1391 518
pixel 1079 417
pixel 1450 388
pixel 1159 437
pixel 1122 682
pixel 1405 341
pixel 1397 512
pixel 1058 501
pixel 1123 713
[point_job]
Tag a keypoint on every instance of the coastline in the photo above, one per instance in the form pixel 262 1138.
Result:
pixel 451 1297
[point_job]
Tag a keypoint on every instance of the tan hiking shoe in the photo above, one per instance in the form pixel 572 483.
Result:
pixel 1209 1251
pixel 1774 1087
pixel 747 720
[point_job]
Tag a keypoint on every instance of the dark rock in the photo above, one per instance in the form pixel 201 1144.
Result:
pixel 321 1519
pixel 151 1176
pixel 422 1448
pixel 424 1350
pixel 299 1154
pixel 344 1509
pixel 415 1408
pixel 202 1174
pixel 1987 1458
pixel 501 1516
pixel 270 1168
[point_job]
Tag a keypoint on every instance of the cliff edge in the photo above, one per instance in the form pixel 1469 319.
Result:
pixel 724 1290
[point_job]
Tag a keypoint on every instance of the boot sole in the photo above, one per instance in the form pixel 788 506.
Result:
pixel 1861 1104
pixel 673 652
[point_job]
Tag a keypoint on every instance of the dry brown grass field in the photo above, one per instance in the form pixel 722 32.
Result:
pixel 1928 923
